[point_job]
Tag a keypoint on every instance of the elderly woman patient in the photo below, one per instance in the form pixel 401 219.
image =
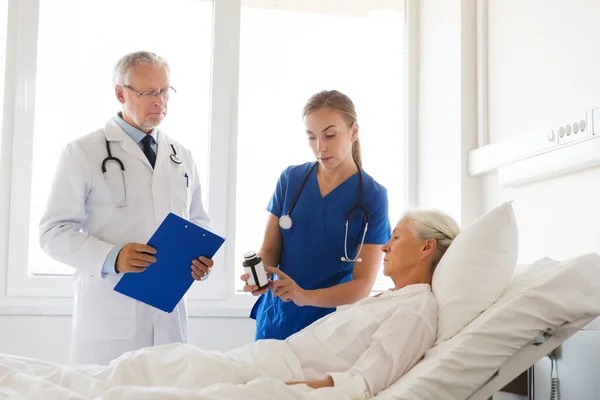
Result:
pixel 360 349
pixel 376 340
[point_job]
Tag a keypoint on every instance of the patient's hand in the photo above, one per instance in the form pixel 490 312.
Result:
pixel 287 289
pixel 327 382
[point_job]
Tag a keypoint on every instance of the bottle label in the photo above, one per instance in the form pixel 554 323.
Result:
pixel 257 273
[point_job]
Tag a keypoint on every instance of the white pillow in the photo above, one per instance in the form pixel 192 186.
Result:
pixel 476 269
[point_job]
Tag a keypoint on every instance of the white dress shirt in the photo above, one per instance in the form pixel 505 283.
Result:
pixel 367 346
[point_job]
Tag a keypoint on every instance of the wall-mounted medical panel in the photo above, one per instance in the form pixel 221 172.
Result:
pixel 563 149
pixel 564 159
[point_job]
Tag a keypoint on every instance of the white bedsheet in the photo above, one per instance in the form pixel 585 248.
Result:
pixel 175 371
pixel 543 298
pixel 364 347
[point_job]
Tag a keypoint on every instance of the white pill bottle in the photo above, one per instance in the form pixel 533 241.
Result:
pixel 253 266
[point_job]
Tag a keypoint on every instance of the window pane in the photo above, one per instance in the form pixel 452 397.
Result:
pixel 356 47
pixel 79 43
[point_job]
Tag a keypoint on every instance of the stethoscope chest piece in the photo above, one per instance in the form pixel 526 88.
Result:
pixel 285 222
pixel 174 157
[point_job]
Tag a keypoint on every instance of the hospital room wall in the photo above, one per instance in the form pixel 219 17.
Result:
pixel 49 337
pixel 543 72
pixel 543 60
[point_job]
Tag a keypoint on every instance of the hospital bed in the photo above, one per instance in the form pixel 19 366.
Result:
pixel 543 306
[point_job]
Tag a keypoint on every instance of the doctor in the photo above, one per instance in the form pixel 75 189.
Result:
pixel 328 220
pixel 112 189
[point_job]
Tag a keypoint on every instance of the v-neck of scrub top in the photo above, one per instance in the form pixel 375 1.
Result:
pixel 337 191
pixel 331 192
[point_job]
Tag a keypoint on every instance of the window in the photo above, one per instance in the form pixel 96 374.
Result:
pixel 243 70
pixel 74 93
pixel 62 75
pixel 353 46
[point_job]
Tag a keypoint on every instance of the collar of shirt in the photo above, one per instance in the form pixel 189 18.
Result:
pixel 134 133
pixel 414 288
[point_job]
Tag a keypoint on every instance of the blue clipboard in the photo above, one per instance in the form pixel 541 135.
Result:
pixel 164 283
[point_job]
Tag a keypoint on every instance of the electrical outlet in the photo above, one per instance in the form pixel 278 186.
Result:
pixel 580 130
pixel 565 134
pixel 576 129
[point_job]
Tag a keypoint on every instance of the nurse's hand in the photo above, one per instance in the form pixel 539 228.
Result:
pixel 135 257
pixel 201 267
pixel 286 288
pixel 253 288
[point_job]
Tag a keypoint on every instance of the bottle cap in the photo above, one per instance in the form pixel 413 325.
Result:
pixel 249 254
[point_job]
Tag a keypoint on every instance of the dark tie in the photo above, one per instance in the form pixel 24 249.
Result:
pixel 147 148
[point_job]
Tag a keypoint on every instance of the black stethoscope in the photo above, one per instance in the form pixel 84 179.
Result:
pixel 174 157
pixel 285 221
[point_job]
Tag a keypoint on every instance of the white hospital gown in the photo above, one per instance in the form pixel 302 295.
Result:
pixel 367 346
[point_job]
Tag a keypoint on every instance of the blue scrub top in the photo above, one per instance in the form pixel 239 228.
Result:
pixel 313 246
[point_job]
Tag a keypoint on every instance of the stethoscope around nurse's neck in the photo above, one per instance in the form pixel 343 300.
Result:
pixel 285 221
pixel 174 157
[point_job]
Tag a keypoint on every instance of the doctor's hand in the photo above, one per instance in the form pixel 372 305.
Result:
pixel 135 257
pixel 201 267
pixel 253 288
pixel 286 288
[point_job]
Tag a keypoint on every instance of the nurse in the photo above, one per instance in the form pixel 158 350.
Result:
pixel 328 220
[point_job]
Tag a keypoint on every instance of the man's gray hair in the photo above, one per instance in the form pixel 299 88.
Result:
pixel 433 224
pixel 122 71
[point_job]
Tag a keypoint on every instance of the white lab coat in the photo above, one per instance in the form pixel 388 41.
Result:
pixel 83 223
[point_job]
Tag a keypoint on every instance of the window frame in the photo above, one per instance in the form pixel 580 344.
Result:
pixel 52 295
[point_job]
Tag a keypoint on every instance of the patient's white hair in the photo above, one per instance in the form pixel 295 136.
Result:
pixel 122 71
pixel 433 224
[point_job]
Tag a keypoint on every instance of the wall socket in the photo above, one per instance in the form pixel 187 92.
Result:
pixel 576 129
pixel 580 129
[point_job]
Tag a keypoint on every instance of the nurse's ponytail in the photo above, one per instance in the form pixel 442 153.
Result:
pixel 339 102
pixel 356 153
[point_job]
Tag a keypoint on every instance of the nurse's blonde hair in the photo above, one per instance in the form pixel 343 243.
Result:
pixel 433 224
pixel 341 103
pixel 123 68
